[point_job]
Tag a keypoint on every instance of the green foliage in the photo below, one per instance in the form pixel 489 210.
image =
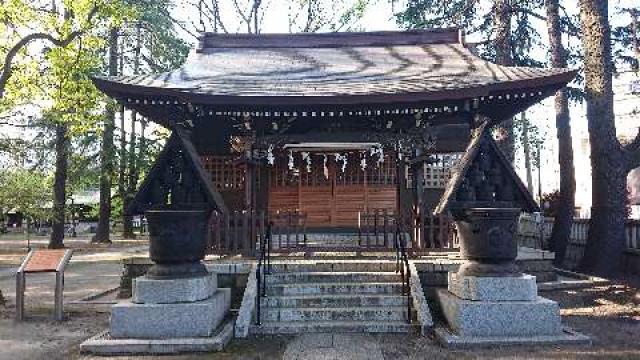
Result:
pixel 26 191
pixel 626 38
pixel 49 71
pixel 162 49
pixel 535 137
pixel 476 17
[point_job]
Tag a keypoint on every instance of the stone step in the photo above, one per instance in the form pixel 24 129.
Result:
pixel 334 288
pixel 339 266
pixel 389 313
pixel 298 327
pixel 332 276
pixel 322 301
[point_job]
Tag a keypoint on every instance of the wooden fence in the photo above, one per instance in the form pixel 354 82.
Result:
pixel 239 232
pixel 536 234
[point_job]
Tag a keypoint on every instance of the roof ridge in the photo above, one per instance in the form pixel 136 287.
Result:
pixel 330 39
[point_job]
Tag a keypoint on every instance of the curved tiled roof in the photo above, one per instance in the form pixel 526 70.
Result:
pixel 356 68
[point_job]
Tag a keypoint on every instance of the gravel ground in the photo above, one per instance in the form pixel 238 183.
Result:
pixel 609 314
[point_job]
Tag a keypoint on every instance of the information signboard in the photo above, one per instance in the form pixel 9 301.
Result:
pixel 39 261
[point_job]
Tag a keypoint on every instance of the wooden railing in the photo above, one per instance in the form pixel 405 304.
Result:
pixel 434 232
pixel 239 232
pixel 236 232
pixel 537 234
pixel 429 232
pixel 289 230
pixel 377 229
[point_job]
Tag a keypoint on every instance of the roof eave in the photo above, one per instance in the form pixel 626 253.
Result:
pixel 118 89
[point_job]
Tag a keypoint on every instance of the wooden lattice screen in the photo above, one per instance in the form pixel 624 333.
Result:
pixel 225 173
pixel 438 173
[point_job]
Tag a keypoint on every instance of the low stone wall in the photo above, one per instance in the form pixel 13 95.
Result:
pixel 434 272
pixel 536 235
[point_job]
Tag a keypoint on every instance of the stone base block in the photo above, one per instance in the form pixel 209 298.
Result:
pixel 154 291
pixel 500 318
pixel 453 341
pixel 105 344
pixel 161 321
pixel 514 288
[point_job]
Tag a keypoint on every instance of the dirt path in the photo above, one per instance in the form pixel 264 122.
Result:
pixel 609 314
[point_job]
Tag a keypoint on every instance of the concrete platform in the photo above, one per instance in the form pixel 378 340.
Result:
pixel 500 318
pixel 516 288
pixel 104 344
pixel 450 340
pixel 161 321
pixel 153 291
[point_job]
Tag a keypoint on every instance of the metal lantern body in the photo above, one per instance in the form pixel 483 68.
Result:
pixel 178 241
pixel 488 241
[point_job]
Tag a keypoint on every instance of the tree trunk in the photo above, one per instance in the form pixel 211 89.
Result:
pixel 59 188
pixel 565 210
pixel 127 220
pixel 107 151
pixel 606 238
pixel 526 147
pixel 502 13
pixel 132 177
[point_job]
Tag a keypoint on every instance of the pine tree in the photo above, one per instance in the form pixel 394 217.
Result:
pixel 565 210
pixel 610 160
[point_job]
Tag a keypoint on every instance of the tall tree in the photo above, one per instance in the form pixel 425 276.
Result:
pixel 502 14
pixel 107 152
pixel 148 43
pixel 610 160
pixel 56 81
pixel 565 210
pixel 59 186
pixel 132 175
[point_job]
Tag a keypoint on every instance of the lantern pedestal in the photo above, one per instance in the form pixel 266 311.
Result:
pixel 177 306
pixel 489 301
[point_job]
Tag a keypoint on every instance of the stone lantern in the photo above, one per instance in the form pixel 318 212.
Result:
pixel 177 305
pixel 489 301
pixel 485 197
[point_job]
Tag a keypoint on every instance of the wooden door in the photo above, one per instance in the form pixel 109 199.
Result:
pixel 335 199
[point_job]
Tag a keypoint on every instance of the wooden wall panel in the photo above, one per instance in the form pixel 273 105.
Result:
pixel 381 197
pixel 316 203
pixel 283 199
pixel 347 202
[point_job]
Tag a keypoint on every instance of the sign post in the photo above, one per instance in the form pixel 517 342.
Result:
pixel 39 261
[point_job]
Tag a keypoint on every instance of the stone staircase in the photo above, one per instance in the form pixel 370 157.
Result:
pixel 333 296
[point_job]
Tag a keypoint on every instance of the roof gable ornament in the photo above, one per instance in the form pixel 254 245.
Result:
pixel 177 180
pixel 484 178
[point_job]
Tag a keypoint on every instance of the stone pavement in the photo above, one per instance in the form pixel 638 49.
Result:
pixel 333 347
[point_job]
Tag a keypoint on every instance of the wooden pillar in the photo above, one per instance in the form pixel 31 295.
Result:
pixel 249 181
pixel 418 196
